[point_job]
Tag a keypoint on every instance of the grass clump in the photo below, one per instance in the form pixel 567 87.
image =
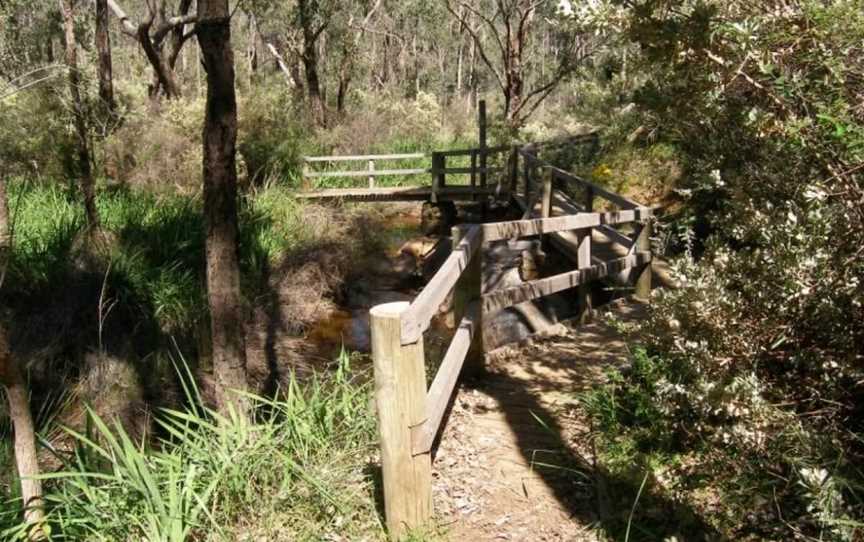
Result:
pixel 298 471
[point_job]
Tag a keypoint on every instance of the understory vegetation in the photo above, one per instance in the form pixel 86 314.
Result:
pixel 295 472
pixel 744 401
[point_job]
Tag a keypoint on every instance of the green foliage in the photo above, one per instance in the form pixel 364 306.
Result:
pixel 298 469
pixel 755 367
pixel 271 140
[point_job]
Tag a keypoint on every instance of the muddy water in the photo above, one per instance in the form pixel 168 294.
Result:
pixel 396 274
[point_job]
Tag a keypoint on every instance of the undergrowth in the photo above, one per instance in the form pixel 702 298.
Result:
pixel 299 471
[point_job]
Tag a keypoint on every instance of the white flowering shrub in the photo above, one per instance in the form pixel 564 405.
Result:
pixel 750 387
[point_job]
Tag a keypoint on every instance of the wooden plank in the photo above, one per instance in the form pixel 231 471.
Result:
pixel 467 152
pixel 362 158
pixel 522 228
pixel 566 204
pixel 617 199
pixel 365 173
pixel 467 290
pixel 400 394
pixel 471 170
pixel 502 299
pixel 416 319
pixel 445 380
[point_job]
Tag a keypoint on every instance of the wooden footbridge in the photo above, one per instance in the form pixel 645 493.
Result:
pixel 558 207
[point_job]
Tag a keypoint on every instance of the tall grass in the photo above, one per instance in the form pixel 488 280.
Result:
pixel 296 472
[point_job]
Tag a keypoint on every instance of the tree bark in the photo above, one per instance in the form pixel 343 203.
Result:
pixel 220 204
pixel 309 57
pixel 103 48
pixel 88 186
pixel 19 403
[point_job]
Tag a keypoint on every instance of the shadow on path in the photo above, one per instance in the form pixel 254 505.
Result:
pixel 516 462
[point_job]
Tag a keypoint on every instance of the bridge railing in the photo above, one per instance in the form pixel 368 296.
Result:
pixel 370 172
pixel 410 415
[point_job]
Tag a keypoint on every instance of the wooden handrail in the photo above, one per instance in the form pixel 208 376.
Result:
pixel 416 319
pixel 467 152
pixel 364 157
pixel 413 171
pixel 445 380
pixel 604 193
pixel 523 228
pixel 501 299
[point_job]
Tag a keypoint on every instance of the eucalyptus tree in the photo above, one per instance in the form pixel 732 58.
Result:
pixel 503 31
pixel 213 31
pixel 152 32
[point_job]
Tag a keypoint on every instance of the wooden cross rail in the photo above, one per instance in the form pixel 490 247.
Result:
pixel 371 172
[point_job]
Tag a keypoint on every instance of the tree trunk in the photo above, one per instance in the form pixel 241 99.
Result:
pixel 313 83
pixel 19 404
pixel 345 72
pixel 309 57
pixel 220 205
pixel 84 171
pixel 103 48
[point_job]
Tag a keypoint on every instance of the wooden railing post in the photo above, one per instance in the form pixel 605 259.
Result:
pixel 513 171
pixel 469 288
pixel 371 173
pixel 305 182
pixel 526 173
pixel 583 260
pixel 400 394
pixel 481 129
pixel 589 199
pixel 473 175
pixel 546 204
pixel 643 280
pixel 438 165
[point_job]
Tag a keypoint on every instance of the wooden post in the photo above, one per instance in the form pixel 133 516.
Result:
pixel 473 175
pixel 643 280
pixel 482 133
pixel 304 182
pixel 438 164
pixel 526 172
pixel 513 171
pixel 469 288
pixel 546 204
pixel 371 173
pixel 583 260
pixel 400 394
pixel 589 199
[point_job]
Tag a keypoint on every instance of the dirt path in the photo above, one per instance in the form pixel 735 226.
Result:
pixel 515 458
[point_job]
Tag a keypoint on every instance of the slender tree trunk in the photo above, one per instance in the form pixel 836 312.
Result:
pixel 345 72
pixel 220 204
pixel 313 83
pixel 309 57
pixel 84 171
pixel 103 47
pixel 19 403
